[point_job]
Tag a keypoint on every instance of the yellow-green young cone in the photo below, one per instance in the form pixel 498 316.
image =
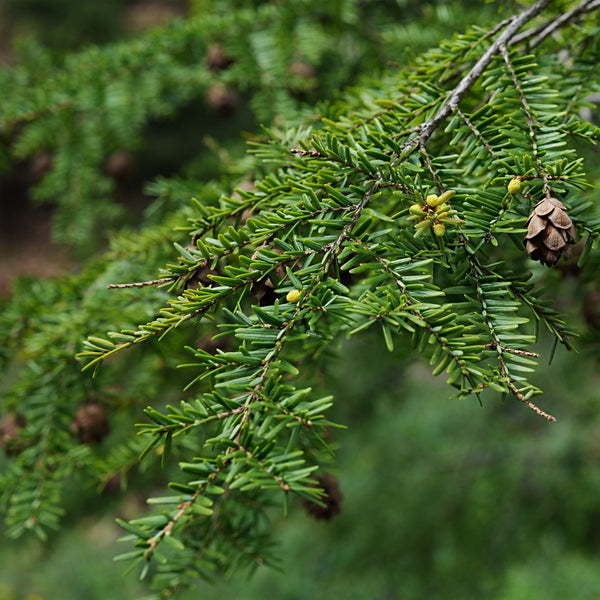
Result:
pixel 439 229
pixel 433 200
pixel 294 296
pixel 514 186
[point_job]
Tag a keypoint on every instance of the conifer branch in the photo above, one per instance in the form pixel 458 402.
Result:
pixel 494 346
pixel 500 348
pixel 531 121
pixel 541 32
pixel 451 104
pixel 280 482
pixel 346 232
pixel 412 305
pixel 182 509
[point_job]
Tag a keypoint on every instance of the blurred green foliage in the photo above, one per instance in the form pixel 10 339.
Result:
pixel 442 500
pixel 69 114
pixel 66 25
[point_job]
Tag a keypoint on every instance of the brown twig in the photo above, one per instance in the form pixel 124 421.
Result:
pixel 512 350
pixel 140 284
pixel 531 405
pixel 475 132
pixel 541 32
pixel 475 73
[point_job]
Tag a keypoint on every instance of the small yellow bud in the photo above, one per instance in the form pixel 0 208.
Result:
pixel 416 209
pixel 514 186
pixel 439 229
pixel 442 208
pixel 434 200
pixel 294 296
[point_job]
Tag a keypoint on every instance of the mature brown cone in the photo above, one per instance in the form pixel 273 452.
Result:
pixel 91 423
pixel 332 498
pixel 217 59
pixel 200 278
pixel 550 232
pixel 222 99
pixel 591 310
pixel 10 432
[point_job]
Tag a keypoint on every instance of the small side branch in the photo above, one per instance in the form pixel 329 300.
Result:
pixel 500 349
pixel 280 482
pixel 182 509
pixel 434 175
pixel 475 73
pixel 476 132
pixel 495 346
pixel 140 284
pixel 531 405
pixel 531 122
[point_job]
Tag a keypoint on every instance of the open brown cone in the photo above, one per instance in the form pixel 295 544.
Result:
pixel 550 232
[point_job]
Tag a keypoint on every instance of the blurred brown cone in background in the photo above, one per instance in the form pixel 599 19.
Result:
pixel 550 232
pixel 332 498
pixel 91 423
pixel 10 432
pixel 217 59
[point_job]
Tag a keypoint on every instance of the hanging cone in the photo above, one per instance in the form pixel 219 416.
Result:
pixel 331 499
pixel 91 423
pixel 550 232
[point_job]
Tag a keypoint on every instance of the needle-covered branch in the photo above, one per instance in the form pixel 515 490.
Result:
pixel 427 212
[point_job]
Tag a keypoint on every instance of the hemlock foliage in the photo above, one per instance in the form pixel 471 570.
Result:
pixel 384 214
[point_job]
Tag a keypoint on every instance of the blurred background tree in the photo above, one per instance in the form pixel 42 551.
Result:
pixel 440 499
